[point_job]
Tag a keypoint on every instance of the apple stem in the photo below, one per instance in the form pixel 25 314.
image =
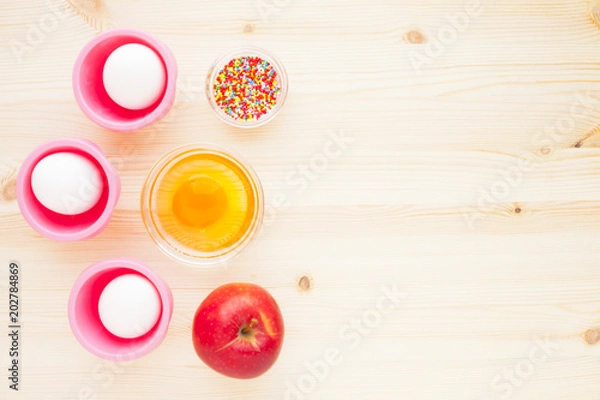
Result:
pixel 246 330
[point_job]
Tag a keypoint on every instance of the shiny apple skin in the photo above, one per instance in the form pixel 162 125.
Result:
pixel 238 330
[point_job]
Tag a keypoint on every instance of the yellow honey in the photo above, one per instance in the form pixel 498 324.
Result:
pixel 206 201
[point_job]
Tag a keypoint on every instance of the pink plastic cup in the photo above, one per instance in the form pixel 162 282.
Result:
pixel 68 227
pixel 85 320
pixel 89 88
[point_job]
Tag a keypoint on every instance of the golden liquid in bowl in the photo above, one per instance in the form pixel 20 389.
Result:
pixel 206 202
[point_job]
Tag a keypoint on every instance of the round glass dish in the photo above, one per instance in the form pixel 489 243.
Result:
pixel 202 205
pixel 269 93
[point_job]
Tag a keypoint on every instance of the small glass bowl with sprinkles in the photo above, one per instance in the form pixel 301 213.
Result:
pixel 247 87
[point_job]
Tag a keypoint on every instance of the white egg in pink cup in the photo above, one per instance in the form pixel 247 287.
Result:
pixel 67 189
pixel 125 79
pixel 120 309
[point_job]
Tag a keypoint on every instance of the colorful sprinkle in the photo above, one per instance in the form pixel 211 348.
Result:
pixel 247 88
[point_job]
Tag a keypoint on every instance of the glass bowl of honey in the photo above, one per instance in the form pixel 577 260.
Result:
pixel 202 205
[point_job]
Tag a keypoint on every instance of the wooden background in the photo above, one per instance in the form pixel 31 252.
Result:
pixel 472 183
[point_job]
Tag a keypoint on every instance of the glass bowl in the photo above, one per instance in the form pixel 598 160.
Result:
pixel 163 227
pixel 218 66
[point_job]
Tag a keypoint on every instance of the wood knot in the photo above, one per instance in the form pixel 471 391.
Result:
pixel 304 283
pixel 595 15
pixel 248 28
pixel 545 151
pixel 578 145
pixel 9 192
pixel 88 6
pixel 415 36
pixel 92 12
pixel 8 183
pixel 592 336
pixel 518 210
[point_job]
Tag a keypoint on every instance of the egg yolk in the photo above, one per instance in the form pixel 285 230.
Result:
pixel 199 202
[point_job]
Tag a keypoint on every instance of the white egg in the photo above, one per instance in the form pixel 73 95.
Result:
pixel 129 306
pixel 134 76
pixel 66 183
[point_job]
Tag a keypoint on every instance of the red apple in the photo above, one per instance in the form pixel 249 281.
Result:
pixel 238 330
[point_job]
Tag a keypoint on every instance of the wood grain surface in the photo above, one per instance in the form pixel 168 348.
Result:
pixel 467 179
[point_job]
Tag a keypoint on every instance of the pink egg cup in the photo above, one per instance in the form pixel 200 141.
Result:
pixel 68 227
pixel 85 320
pixel 91 95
